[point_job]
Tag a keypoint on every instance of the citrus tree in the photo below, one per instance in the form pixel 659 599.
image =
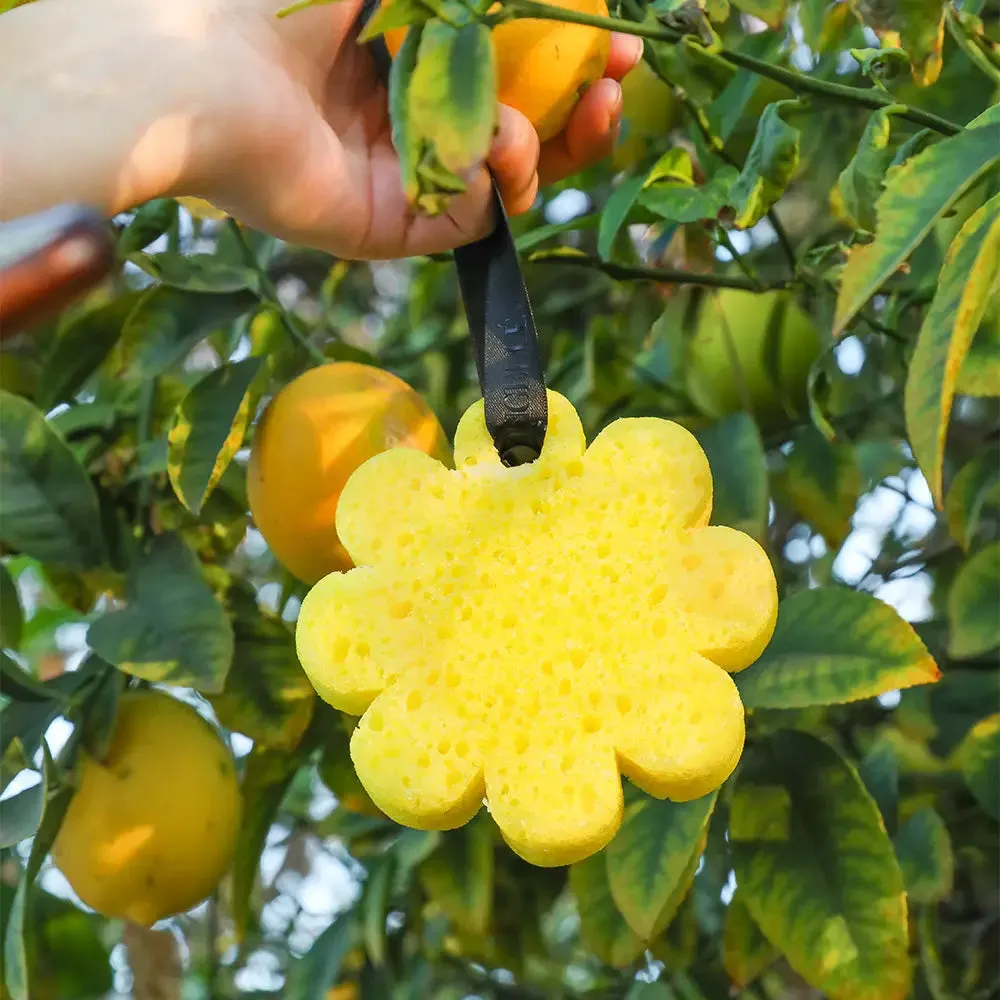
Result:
pixel 795 254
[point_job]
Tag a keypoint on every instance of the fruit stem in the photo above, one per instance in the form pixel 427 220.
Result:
pixel 269 295
pixel 660 274
pixel 796 81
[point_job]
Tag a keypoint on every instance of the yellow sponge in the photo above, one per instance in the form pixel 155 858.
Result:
pixel 528 634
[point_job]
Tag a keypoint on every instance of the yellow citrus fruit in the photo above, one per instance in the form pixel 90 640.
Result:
pixel 312 436
pixel 543 66
pixel 151 830
pixel 649 110
pixel 756 325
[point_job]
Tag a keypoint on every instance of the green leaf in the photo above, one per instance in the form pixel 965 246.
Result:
pixel 50 508
pixel 968 282
pixel 879 770
pixel 11 615
pixel 173 631
pixel 922 36
pixel 267 696
pixel 400 14
pixel 209 427
pixel 168 323
pixel 452 105
pixel 823 482
pixel 615 212
pixel 80 346
pixel 20 685
pixel 266 779
pixel 916 195
pixel 603 928
pixel 375 906
pixel 817 870
pixel 739 473
pixel 199 272
pixel 979 758
pixel 20 815
pixel 770 165
pixel 975 487
pixel 833 645
pixel 923 848
pixel 771 12
pixel 311 976
pixel 19 919
pixel 149 223
pixel 650 859
pixel 973 600
pixel 683 203
pixel 337 770
pixel 459 875
pixel 404 138
pixel 980 374
pixel 746 953
pixel 860 182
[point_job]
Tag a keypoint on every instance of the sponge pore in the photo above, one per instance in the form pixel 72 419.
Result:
pixel 527 635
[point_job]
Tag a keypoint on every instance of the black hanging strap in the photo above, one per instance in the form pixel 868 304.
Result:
pixel 500 321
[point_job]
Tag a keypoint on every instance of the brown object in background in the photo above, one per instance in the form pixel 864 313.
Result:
pixel 47 260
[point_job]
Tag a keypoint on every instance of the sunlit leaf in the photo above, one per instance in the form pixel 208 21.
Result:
pixel 770 166
pixel 173 630
pixel 817 870
pixel 973 601
pixel 650 861
pixel 979 759
pixel 746 953
pixel 916 195
pixel 739 473
pixel 50 508
pixel 682 203
pixel 209 427
pixel 602 926
pixel 923 848
pixel 833 645
pixel 980 372
pixel 969 280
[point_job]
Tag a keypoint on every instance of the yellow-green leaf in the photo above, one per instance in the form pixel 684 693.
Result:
pixel 173 630
pixel 770 166
pixel 459 875
pixel 923 848
pixel 650 859
pixel 980 374
pixel 822 481
pixel 917 193
pixel 817 870
pixel 832 645
pixel 860 182
pixel 746 953
pixel 603 928
pixel 771 12
pixel 979 758
pixel 974 605
pixel 209 427
pixel 969 279
pixel 975 487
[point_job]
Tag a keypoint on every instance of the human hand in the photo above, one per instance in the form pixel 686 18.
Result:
pixel 310 155
pixel 281 122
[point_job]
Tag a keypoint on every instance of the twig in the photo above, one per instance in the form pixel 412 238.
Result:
pixel 737 256
pixel 269 294
pixel 661 274
pixel 798 82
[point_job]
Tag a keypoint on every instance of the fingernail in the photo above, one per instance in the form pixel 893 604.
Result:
pixel 638 47
pixel 616 104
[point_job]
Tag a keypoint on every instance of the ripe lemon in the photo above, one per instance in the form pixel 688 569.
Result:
pixel 312 436
pixel 151 830
pixel 543 67
pixel 756 324
pixel 649 111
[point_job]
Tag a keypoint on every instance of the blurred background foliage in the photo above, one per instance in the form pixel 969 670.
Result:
pixel 701 276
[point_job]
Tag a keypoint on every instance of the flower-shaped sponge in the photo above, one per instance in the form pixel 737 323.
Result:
pixel 526 634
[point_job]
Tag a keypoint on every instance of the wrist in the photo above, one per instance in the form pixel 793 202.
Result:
pixel 106 103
